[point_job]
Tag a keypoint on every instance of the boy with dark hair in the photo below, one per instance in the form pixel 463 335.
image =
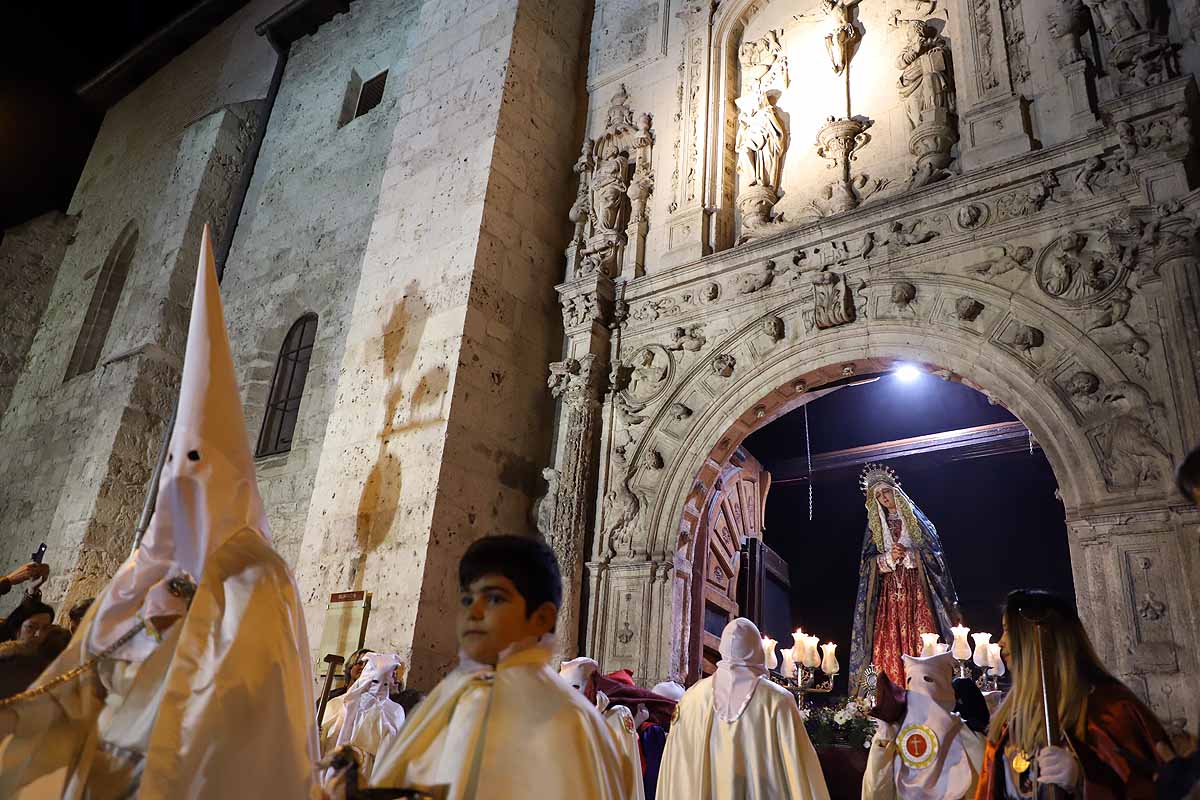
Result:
pixel 503 724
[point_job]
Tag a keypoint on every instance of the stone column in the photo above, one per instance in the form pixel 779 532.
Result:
pixel 573 482
pixel 566 514
pixel 994 124
pixel 687 229
pixel 1177 263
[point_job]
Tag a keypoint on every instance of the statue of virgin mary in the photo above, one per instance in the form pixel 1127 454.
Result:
pixel 904 585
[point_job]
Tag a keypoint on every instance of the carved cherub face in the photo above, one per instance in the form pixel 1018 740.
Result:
pixel 903 293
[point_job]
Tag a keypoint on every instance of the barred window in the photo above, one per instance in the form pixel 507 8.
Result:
pixel 287 387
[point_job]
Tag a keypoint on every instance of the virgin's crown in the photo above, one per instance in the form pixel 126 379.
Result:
pixel 876 473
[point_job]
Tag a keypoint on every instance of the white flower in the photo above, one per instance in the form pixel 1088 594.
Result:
pixel 840 717
pixel 866 744
pixel 805 713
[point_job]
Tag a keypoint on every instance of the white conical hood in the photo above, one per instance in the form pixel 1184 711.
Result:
pixel 207 492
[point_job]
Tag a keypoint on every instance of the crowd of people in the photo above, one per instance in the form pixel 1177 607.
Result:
pixel 188 677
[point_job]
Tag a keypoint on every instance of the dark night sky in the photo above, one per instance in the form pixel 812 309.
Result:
pixel 998 519
pixel 46 131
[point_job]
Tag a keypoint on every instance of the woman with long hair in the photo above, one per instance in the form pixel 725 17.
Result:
pixel 1111 745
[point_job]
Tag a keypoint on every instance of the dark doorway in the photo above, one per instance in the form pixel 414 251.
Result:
pixel 988 489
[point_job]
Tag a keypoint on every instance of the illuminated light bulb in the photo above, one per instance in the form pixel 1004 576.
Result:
pixel 907 373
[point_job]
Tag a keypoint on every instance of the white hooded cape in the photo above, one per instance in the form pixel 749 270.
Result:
pixel 222 706
pixel 518 731
pixel 761 753
pixel 367 716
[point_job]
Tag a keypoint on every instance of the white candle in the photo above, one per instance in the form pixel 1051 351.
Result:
pixel 961 649
pixel 995 660
pixel 982 640
pixel 812 658
pixel 788 670
pixel 769 652
pixel 929 643
pixel 829 665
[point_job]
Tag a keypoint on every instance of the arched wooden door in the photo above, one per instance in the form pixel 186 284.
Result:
pixel 733 514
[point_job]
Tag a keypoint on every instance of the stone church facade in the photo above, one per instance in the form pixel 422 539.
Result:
pixel 698 213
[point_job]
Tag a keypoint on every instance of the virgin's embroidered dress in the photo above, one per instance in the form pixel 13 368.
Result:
pixel 902 592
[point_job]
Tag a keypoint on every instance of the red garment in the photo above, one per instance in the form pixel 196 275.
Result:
pixel 902 616
pixel 621 691
pixel 1116 756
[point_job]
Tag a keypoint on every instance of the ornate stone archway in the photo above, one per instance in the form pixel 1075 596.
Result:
pixel 1061 282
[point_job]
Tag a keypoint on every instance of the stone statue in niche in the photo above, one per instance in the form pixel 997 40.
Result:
pixel 842 40
pixel 1068 23
pixel 610 195
pixel 615 183
pixel 1143 55
pixel 926 84
pixel 761 136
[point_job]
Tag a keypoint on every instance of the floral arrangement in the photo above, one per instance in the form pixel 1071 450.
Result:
pixel 846 723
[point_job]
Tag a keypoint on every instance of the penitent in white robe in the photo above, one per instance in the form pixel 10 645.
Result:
pixel 765 754
pixel 518 731
pixel 222 706
pixel 163 723
pixel 619 720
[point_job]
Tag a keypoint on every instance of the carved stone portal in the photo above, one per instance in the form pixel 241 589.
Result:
pixel 615 184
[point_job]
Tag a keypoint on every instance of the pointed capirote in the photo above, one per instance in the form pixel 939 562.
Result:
pixel 207 491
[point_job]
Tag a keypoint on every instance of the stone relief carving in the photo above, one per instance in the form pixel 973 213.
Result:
pixel 1144 56
pixel 902 236
pixel 903 296
pixel 623 509
pixel 1025 338
pixel 543 507
pixel 1014 40
pixel 1068 23
pixel 1151 608
pixel 967 308
pixel 650 310
pixel 560 376
pixel 841 42
pixel 1002 259
pixel 971 216
pixel 615 183
pixel 679 412
pixel 1123 426
pixel 690 339
pixel 833 304
pixel 756 278
pixel 772 327
pixel 651 369
pixel 1023 202
pixel 723 365
pixel 1129 439
pixel 1072 273
pixel 1170 133
pixel 985 61
pixel 580 309
pixel 838 141
pixel 653 460
pixel 926 84
pixel 761 135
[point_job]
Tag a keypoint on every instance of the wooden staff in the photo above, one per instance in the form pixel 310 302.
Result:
pixel 1045 646
pixel 333 660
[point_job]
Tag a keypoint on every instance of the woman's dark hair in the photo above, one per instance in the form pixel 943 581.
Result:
pixel 526 561
pixel 38 607
pixel 57 639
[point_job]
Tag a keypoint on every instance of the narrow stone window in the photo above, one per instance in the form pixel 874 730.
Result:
pixel 287 387
pixel 105 296
pixel 371 94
